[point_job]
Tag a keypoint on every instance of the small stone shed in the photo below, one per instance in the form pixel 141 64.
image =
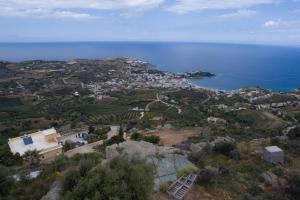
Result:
pixel 273 154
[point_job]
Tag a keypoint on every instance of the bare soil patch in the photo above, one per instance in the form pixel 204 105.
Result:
pixel 170 136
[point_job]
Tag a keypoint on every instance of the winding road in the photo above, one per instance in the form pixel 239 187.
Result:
pixel 286 131
pixel 161 101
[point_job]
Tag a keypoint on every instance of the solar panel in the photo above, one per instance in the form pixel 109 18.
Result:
pixel 27 140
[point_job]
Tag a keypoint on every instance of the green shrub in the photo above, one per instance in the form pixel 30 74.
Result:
pixel 163 187
pixel 102 132
pixel 294 184
pixel 7 158
pixel 97 157
pixel 85 165
pixel 294 133
pixel 278 171
pixel 69 145
pixel 32 158
pixel 91 129
pixel 136 136
pixel 122 179
pixel 224 148
pixel 114 140
pixel 206 176
pixel 254 189
pixel 235 154
pixel 187 170
pixel 293 147
pixel 93 138
pixel 6 182
pixel 58 165
pixel 152 139
pixel 198 158
pixel 275 141
pixel 71 179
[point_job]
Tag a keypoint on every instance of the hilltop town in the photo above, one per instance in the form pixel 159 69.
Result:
pixel 63 124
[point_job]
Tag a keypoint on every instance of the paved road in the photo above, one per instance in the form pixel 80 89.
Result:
pixel 89 148
pixel 142 115
pixel 114 130
pixel 207 99
pixel 286 131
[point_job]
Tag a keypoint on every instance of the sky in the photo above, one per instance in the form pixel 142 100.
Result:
pixel 229 21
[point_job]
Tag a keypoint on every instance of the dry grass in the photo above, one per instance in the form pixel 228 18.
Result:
pixel 170 137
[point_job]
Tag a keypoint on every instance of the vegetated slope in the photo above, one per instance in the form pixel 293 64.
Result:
pixel 4 71
pixel 260 119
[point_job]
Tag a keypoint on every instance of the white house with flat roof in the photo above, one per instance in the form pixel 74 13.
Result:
pixel 45 142
pixel 273 154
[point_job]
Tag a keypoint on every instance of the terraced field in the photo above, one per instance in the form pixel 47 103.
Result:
pixel 112 118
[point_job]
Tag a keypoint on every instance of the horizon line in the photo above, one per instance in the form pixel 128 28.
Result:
pixel 152 41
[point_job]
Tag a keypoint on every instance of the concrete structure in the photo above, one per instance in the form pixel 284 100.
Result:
pixel 273 154
pixel 46 142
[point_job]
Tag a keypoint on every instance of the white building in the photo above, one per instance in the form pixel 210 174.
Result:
pixel 45 142
pixel 273 154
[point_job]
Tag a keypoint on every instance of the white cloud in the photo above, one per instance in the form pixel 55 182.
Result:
pixel 72 15
pixel 240 14
pixel 66 9
pixel 185 6
pixel 275 24
pixel 44 13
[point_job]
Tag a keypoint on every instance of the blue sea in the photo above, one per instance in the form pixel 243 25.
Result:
pixel 272 67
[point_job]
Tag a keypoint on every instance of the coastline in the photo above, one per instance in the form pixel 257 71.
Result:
pixel 186 77
pixel 234 65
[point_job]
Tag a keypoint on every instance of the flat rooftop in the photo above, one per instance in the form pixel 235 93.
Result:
pixel 273 149
pixel 48 131
pixel 39 142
